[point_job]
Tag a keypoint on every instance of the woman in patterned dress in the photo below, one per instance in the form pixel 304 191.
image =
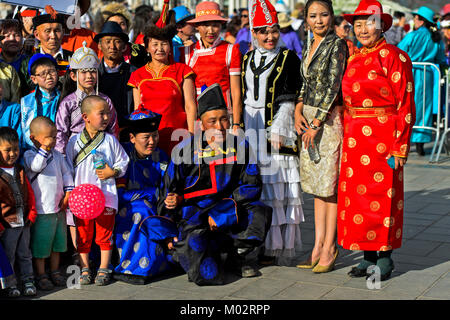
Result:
pixel 378 90
pixel 318 121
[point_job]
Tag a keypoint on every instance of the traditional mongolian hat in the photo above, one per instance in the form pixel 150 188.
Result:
pixel 143 120
pixel 371 8
pixel 207 11
pixel 50 16
pixel 262 14
pixel 38 56
pixel 164 28
pixel 211 98
pixel 84 58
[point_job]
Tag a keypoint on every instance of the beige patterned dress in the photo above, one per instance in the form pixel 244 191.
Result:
pixel 322 73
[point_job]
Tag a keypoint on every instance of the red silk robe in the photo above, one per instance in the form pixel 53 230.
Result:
pixel 378 91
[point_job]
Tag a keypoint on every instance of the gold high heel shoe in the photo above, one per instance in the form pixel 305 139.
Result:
pixel 322 269
pixel 308 264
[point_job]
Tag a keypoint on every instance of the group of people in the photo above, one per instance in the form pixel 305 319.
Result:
pixel 207 147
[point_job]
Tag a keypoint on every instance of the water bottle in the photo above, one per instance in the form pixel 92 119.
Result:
pixel 99 162
pixel 314 153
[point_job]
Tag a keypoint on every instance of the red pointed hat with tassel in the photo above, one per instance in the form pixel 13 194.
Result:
pixel 263 14
pixel 164 28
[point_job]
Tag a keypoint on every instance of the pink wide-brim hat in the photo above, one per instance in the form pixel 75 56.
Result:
pixel 207 11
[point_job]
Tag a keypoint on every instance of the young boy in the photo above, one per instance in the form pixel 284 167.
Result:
pixel 44 100
pixel 51 180
pixel 17 211
pixel 95 113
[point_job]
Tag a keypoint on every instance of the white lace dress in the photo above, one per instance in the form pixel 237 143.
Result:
pixel 280 173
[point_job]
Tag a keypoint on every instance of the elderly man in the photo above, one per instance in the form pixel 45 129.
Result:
pixel 48 30
pixel 114 72
pixel 212 193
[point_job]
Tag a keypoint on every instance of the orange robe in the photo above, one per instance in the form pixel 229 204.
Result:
pixel 378 91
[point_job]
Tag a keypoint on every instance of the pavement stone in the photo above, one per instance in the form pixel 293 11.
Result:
pixel 422 264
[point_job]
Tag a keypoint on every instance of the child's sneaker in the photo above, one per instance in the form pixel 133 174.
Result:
pixel 13 292
pixel 29 289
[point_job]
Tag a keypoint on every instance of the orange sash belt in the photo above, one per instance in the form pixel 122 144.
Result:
pixel 370 112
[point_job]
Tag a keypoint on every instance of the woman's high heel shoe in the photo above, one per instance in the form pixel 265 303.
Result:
pixel 322 269
pixel 308 264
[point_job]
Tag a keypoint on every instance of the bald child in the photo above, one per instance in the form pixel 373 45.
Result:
pixel 95 114
pixel 51 181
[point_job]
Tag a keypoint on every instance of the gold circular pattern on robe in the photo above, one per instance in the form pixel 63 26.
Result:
pixel 368 61
pixel 409 87
pixel 371 235
pixel 351 142
pixel 356 86
pixel 125 235
pixel 402 57
pixel 400 204
pixel 358 219
pixel 144 262
pixel 136 246
pixel 388 222
pixel 365 160
pixel 408 118
pixel 403 148
pixel 349 172
pixel 351 72
pixel 396 77
pixel 342 215
pixel 374 206
pixel 343 186
pixel 385 248
pixel 385 71
pixel 372 75
pixel 398 233
pixel 383 119
pixel 125 264
pixel 384 92
pixel 344 156
pixel 345 231
pixel 348 100
pixel 354 246
pixel 391 193
pixel 367 103
pixel 136 218
pixel 400 176
pixel 367 131
pixel 399 105
pixel 384 53
pixel 347 201
pixel 397 133
pixel 361 189
pixel 381 147
pixel 378 177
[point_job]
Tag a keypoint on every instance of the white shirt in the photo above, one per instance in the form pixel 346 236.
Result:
pixel 53 178
pixel 112 152
pixel 60 52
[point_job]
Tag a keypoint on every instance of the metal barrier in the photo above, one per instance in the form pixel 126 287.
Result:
pixel 424 109
pixel 446 119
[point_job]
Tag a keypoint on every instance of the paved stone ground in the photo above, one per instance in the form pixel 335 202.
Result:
pixel 422 263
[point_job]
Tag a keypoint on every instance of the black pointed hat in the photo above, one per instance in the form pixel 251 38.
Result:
pixel 211 99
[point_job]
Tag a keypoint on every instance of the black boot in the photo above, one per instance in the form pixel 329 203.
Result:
pixel 370 259
pixel 239 263
pixel 420 149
